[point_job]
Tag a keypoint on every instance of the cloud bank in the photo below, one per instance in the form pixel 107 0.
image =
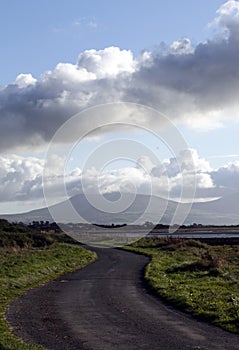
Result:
pixel 21 178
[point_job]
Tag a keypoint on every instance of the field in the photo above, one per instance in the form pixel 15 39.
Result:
pixel 27 259
pixel 195 277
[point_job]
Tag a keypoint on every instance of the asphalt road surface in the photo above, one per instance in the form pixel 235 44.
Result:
pixel 106 306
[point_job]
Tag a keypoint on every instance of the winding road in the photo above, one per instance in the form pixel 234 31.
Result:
pixel 106 306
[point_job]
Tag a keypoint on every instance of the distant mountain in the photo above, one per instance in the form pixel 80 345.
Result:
pixel 224 211
pixel 226 205
pixel 90 213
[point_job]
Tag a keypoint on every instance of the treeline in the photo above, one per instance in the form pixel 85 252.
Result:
pixel 44 226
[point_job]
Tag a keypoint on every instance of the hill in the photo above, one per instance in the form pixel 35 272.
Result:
pixel 223 211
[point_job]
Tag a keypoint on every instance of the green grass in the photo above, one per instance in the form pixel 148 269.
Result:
pixel 200 279
pixel 26 261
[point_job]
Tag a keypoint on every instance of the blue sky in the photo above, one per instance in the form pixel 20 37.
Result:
pixel 36 35
pixel 59 58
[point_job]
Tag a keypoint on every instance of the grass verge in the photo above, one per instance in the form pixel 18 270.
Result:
pixel 25 268
pixel 198 278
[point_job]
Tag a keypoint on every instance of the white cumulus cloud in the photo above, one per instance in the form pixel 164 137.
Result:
pixel 21 178
pixel 24 80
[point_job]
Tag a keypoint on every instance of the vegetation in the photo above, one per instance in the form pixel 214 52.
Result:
pixel 29 258
pixel 196 277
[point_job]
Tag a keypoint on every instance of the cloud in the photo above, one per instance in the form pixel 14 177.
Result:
pixel 187 170
pixel 181 47
pixel 194 85
pixel 227 176
pixel 24 80
pixel 228 17
pixel 31 111
pixel 164 179
pixel 22 178
pixel 81 24
pixel 89 22
pixel 197 85
pixel 107 63
pixel 188 161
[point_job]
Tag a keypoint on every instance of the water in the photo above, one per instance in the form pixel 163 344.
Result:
pixel 202 234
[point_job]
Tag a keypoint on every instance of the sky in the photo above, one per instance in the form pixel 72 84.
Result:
pixel 35 36
pixel 177 60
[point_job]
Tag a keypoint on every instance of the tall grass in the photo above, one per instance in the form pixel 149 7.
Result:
pixel 198 278
pixel 28 259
